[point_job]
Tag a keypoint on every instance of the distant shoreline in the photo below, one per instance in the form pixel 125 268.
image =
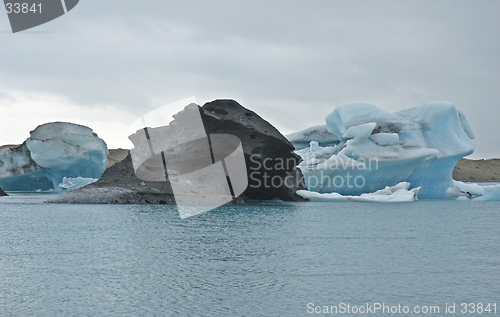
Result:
pixel 477 171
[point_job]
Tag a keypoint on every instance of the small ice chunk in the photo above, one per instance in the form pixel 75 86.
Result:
pixel 398 193
pixel 474 191
pixel 455 192
pixel 470 189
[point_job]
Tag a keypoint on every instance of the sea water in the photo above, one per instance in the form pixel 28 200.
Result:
pixel 269 259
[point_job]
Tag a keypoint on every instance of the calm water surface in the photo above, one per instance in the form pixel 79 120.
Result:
pixel 260 260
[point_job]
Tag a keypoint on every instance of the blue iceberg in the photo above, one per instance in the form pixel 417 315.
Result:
pixel 362 149
pixel 53 152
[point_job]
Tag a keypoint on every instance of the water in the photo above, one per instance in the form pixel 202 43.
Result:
pixel 259 260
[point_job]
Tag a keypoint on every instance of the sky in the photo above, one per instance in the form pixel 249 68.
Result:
pixel 107 62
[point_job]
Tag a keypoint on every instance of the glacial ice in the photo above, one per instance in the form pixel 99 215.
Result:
pixel 52 152
pixel 72 183
pixel 363 148
pixel 491 193
pixel 385 138
pixel 394 194
pixel 319 134
pixel 460 190
pixel 360 132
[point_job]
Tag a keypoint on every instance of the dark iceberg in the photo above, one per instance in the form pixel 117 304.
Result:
pixel 270 162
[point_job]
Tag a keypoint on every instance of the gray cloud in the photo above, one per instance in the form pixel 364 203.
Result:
pixel 290 61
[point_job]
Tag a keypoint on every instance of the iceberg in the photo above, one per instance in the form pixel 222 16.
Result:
pixel 394 194
pixel 52 152
pixel 363 148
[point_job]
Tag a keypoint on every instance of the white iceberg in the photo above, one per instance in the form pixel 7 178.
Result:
pixel 394 194
pixel 363 148
pixel 52 152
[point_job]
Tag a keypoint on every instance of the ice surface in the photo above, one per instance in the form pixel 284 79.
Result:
pixel 318 133
pixel 385 138
pixel 52 152
pixel 360 132
pixel 491 193
pixel 398 193
pixel 376 148
pixel 62 131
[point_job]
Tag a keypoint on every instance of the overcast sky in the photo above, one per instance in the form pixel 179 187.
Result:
pixel 107 62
